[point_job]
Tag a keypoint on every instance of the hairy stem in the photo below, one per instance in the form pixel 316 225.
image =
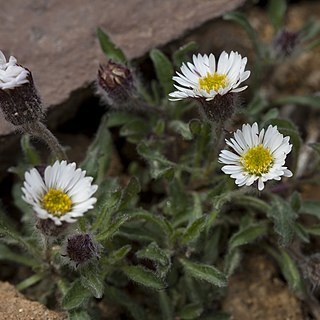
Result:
pixel 38 130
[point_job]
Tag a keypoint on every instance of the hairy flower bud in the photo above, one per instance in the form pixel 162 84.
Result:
pixel 81 249
pixel 221 108
pixel 115 83
pixel 285 43
pixel 50 229
pixel 19 100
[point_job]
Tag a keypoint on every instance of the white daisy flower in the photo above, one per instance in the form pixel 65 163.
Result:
pixel 62 195
pixel 258 155
pixel 11 74
pixel 204 79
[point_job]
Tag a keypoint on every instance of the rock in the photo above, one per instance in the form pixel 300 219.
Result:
pixel 57 39
pixel 14 306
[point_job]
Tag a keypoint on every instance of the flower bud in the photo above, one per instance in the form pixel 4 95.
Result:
pixel 115 83
pixel 50 229
pixel 19 100
pixel 221 108
pixel 81 249
pixel 285 43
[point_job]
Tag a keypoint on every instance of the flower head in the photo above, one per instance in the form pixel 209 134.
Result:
pixel 11 74
pixel 258 155
pixel 19 99
pixel 285 43
pixel 81 248
pixel 115 83
pixel 203 79
pixel 63 194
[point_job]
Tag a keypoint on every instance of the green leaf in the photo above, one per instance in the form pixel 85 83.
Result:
pixel 232 261
pixel 194 230
pixel 283 217
pixel 205 272
pixel 161 222
pixel 154 253
pixel 310 29
pixel 119 254
pixel 295 201
pixel 99 153
pixel 78 315
pixel 276 12
pixel 247 235
pixel 109 48
pixel 75 296
pixel 10 235
pixel 134 130
pixel 30 281
pixel 252 202
pixel 93 280
pixel 113 227
pixel 313 230
pixel 159 127
pixel 129 193
pixel 164 70
pixel 302 232
pixel 7 254
pixel 31 155
pixel 116 119
pixel 159 165
pixel 107 204
pixel 195 126
pixel 312 101
pixel 242 20
pixel 181 128
pixel 191 311
pixel 180 55
pixel 289 269
pixel 311 207
pixel 144 277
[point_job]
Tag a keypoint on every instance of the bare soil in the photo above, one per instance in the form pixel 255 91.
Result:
pixel 14 306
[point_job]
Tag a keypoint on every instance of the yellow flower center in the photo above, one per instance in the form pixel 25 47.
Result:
pixel 56 202
pixel 257 160
pixel 213 81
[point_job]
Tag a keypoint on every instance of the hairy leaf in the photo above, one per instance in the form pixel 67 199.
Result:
pixel 99 153
pixel 75 296
pixel 78 315
pixel 276 12
pixel 283 217
pixel 191 311
pixel 181 54
pixel 93 280
pixel 144 276
pixel 205 272
pixel 194 229
pixel 164 70
pixel 247 235
pixel 109 48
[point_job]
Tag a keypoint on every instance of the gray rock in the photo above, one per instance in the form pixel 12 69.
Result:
pixel 56 39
